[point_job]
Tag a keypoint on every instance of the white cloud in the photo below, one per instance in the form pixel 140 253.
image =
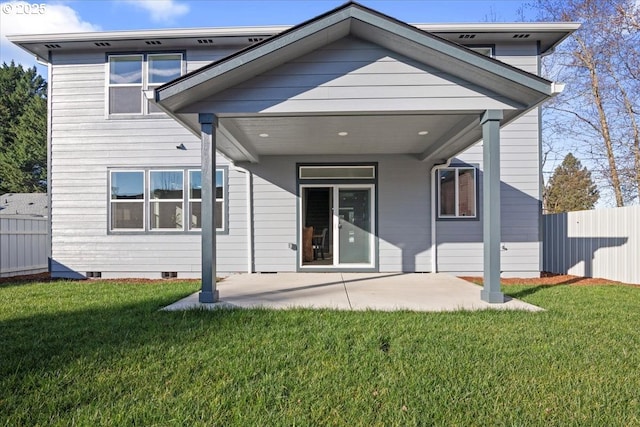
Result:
pixel 161 10
pixel 43 19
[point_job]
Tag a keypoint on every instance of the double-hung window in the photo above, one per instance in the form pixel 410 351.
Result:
pixel 127 200
pixel 195 199
pixel 157 200
pixel 131 75
pixel 457 192
pixel 166 203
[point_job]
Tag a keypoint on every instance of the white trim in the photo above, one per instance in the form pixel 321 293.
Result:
pixel 223 200
pixel 111 201
pixel 335 190
pixel 456 215
pixel 434 232
pixel 152 201
pixel 144 84
pixel 340 167
pixel 268 30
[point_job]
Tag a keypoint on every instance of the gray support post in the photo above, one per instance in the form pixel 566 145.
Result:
pixel 491 205
pixel 208 125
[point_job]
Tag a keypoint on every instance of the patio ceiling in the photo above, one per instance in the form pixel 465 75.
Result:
pixel 322 134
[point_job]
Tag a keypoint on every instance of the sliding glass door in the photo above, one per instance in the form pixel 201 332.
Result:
pixel 355 236
pixel 349 241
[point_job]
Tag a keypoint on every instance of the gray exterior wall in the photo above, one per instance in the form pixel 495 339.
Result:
pixel 520 194
pixel 351 75
pixel 403 211
pixel 85 144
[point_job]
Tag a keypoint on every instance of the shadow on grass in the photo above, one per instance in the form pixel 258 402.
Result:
pixel 530 290
pixel 48 342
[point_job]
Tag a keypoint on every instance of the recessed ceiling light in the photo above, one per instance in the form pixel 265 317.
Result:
pixel 423 132
pixel 264 135
pixel 343 133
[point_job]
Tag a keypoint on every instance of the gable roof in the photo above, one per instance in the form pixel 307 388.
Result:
pixel 353 19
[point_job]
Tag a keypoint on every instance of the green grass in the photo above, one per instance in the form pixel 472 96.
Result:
pixel 100 353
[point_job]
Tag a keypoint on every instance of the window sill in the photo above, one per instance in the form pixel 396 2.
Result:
pixel 155 116
pixel 458 218
pixel 162 233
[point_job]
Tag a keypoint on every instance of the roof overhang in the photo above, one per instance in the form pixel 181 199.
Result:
pixel 547 34
pixel 182 97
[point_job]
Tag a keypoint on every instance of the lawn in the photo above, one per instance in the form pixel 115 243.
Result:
pixel 100 353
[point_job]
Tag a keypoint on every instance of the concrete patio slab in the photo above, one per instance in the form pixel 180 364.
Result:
pixel 350 291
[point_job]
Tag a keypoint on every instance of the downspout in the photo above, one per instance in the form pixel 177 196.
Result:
pixel 49 65
pixel 249 191
pixel 434 240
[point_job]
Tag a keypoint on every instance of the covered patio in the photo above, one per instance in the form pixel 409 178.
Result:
pixel 341 74
pixel 350 291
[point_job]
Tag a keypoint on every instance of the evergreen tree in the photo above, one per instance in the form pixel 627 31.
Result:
pixel 570 188
pixel 23 130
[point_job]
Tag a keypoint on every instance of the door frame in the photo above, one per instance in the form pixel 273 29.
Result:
pixel 335 184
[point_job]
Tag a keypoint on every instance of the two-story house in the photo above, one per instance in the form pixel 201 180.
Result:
pixel 350 142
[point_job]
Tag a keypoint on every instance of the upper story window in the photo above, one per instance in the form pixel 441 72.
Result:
pixel 483 50
pixel 130 75
pixel 457 190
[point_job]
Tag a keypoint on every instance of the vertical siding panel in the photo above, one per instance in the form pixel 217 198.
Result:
pixel 599 243
pixel 22 246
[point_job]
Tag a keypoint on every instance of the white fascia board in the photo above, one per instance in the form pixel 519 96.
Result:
pixel 146 34
pixel 501 27
pixel 275 29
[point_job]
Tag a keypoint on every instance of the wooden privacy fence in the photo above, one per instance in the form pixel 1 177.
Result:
pixel 600 243
pixel 23 245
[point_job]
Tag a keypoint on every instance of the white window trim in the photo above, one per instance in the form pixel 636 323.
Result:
pixel 483 50
pixel 190 200
pixel 222 199
pixel 457 170
pixel 302 168
pixel 112 201
pixel 147 200
pixel 144 85
pixel 150 200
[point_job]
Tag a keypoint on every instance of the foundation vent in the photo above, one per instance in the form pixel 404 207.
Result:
pixel 169 274
pixel 93 274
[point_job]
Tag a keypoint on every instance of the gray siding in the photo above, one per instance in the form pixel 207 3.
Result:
pixel 403 211
pixel 85 144
pixel 352 75
pixel 520 193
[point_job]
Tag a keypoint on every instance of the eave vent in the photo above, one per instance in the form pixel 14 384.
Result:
pixel 255 39
pixel 521 36
pixel 205 41
pixel 153 42
pixel 102 44
pixel 52 46
pixel 467 36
